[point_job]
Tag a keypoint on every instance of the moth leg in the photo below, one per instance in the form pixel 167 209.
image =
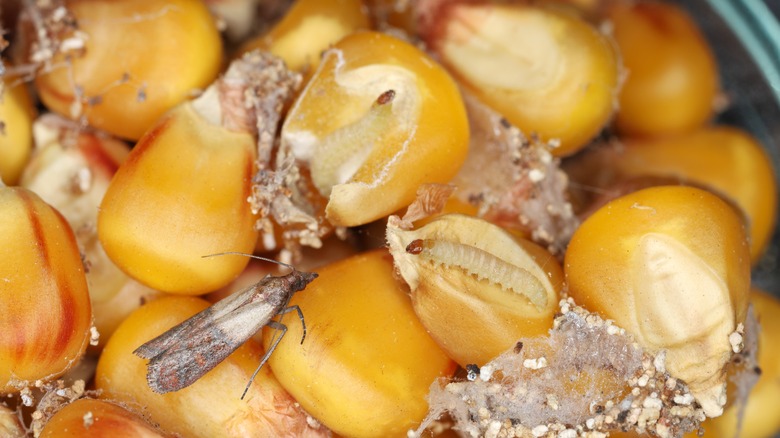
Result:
pixel 300 316
pixel 276 326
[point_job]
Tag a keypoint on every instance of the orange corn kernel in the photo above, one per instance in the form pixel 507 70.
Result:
pixel 267 410
pixel 547 72
pixel 138 59
pixel 309 28
pixel 378 119
pixel 181 195
pixel 45 327
pixel 672 78
pixel 16 117
pixel 476 288
pixel 97 419
pixel 366 363
pixel 671 265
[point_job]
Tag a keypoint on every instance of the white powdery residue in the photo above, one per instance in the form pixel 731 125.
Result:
pixel 536 175
pixel 540 430
pixel 493 429
pixel 642 382
pixel 684 399
pixel 535 364
pixel 659 361
pixel 568 433
pixel 736 340
pixel 486 372
pixel 652 403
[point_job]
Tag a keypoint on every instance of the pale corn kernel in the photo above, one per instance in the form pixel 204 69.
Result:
pixel 476 288
pixel 16 117
pixel 374 86
pixel 547 72
pixel 671 265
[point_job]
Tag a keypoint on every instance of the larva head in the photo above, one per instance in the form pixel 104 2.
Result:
pixel 476 288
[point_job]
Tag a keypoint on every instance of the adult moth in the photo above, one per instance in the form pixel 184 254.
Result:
pixel 184 353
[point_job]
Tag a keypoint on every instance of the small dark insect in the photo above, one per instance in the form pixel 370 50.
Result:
pixel 186 352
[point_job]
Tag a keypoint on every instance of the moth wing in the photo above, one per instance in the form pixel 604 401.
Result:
pixel 198 352
pixel 197 322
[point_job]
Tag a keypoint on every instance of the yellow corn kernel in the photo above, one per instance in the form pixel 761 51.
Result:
pixel 378 119
pixel 760 417
pixel 140 58
pixel 96 419
pixel 309 28
pixel 744 171
pixel 547 72
pixel 210 407
pixel 16 117
pixel 673 90
pixel 45 327
pixel 671 265
pixel 476 288
pixel 366 363
pixel 181 195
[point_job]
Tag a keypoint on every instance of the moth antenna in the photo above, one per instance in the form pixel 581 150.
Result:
pixel 290 267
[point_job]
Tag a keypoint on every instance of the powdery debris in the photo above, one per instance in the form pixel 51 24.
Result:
pixel 596 380
pixel 525 188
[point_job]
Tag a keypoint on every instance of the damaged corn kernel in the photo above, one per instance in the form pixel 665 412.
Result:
pixel 378 119
pixel 45 326
pixel 129 61
pixel 547 72
pixel 366 364
pixel 670 265
pixel 476 288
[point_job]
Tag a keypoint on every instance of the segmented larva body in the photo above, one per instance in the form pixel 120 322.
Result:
pixel 484 266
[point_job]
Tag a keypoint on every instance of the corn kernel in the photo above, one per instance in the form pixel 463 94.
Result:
pixel 744 171
pixel 139 59
pixel 212 406
pixel 169 204
pixel 10 426
pixel 373 86
pixel 43 282
pixel 476 288
pixel 98 418
pixel 673 90
pixel 760 418
pixel 16 116
pixel 545 71
pixel 671 266
pixel 366 363
pixel 308 28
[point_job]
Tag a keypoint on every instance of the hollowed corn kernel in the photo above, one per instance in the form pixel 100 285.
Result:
pixel 476 288
pixel 760 419
pixel 366 363
pixel 673 90
pixel 211 406
pixel 670 265
pixel 16 116
pixel 133 60
pixel 378 119
pixel 45 326
pixel 96 419
pixel 181 195
pixel 744 171
pixel 308 28
pixel 547 72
